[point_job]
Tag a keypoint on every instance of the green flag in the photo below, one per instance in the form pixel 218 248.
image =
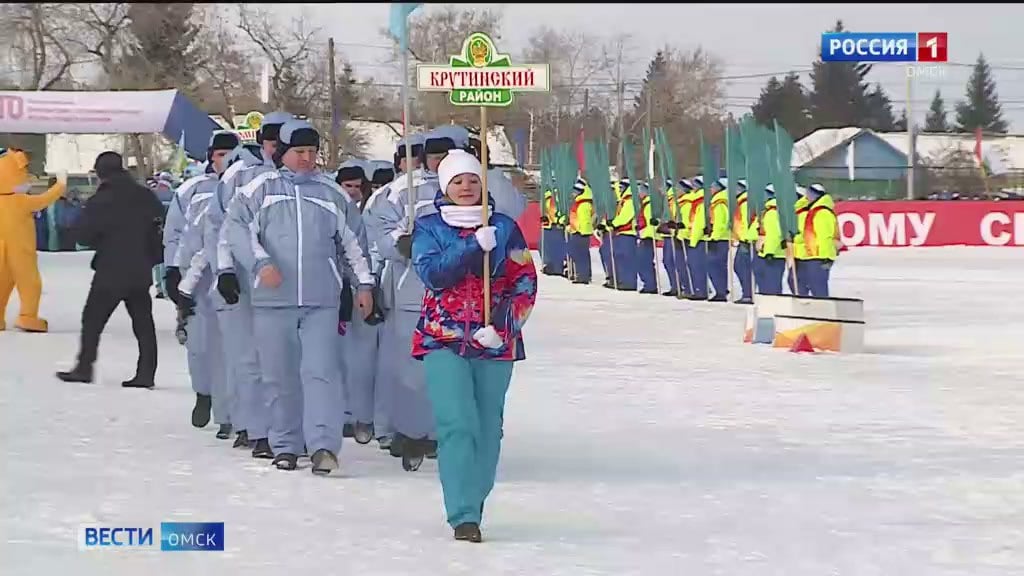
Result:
pixel 599 179
pixel 634 184
pixel 709 168
pixel 785 186
pixel 735 166
pixel 755 153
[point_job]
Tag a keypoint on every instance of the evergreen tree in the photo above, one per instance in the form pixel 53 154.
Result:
pixel 901 124
pixel 936 121
pixel 163 51
pixel 838 96
pixel 786 102
pixel 981 109
pixel 877 113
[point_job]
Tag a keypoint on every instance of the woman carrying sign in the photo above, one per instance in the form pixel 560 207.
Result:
pixel 469 364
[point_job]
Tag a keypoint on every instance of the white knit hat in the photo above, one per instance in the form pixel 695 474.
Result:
pixel 455 163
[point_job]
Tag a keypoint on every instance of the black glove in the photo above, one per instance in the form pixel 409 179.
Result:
pixel 346 303
pixel 672 225
pixel 602 227
pixel 227 285
pixel 655 222
pixel 186 306
pixel 377 313
pixel 664 229
pixel 404 245
pixel 545 221
pixel 172 277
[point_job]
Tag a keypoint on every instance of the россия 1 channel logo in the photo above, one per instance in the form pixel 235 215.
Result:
pixel 174 537
pixel 884 47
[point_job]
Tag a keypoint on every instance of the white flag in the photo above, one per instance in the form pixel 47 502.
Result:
pixel 850 161
pixel 265 83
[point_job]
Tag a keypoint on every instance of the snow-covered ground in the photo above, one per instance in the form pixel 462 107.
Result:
pixel 642 437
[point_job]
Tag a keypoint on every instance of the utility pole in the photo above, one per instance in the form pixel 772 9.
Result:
pixel 530 152
pixel 333 148
pixel 622 124
pixel 650 134
pixel 911 152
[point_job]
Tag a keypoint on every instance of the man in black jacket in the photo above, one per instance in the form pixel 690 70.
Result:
pixel 123 223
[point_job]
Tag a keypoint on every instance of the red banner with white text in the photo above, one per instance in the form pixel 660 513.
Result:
pixel 900 223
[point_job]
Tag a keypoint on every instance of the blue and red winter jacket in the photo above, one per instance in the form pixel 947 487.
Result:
pixel 449 261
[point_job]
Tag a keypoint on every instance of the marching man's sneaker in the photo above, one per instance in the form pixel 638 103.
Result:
pixel 201 411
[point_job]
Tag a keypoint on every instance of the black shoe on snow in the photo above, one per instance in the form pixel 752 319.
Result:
pixel 76 374
pixel 745 301
pixel 285 461
pixel 324 462
pixel 138 383
pixel 397 446
pixel 413 453
pixel 468 532
pixel 346 430
pixel 261 449
pixel 224 432
pixel 241 440
pixel 201 411
pixel 384 442
pixel 362 432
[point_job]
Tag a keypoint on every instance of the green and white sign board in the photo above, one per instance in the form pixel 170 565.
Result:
pixel 480 76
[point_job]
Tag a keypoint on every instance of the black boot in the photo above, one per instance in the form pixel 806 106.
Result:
pixel 241 440
pixel 201 411
pixel 285 461
pixel 77 374
pixel 261 449
pixel 347 430
pixel 224 432
pixel 362 432
pixel 139 383
pixel 468 532
pixel 324 462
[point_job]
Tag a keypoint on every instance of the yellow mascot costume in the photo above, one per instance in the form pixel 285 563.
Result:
pixel 18 259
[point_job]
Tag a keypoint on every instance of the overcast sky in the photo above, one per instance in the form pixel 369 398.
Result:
pixel 750 39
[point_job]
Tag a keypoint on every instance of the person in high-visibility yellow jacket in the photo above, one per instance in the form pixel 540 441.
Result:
pixel 766 232
pixel 604 233
pixel 742 264
pixel 671 251
pixel 623 241
pixel 646 252
pixel 552 236
pixel 801 212
pixel 717 236
pixel 817 243
pixel 581 230
pixel 696 245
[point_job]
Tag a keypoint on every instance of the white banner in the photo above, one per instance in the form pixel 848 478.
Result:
pixel 85 112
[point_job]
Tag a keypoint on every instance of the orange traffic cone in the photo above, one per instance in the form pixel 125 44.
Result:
pixel 802 344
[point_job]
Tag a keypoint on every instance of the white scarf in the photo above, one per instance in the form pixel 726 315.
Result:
pixel 462 216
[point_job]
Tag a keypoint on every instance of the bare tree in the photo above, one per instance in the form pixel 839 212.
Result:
pixel 35 38
pixel 228 75
pixel 300 78
pixel 102 34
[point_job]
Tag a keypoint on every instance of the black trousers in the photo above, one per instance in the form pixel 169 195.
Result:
pixel 99 306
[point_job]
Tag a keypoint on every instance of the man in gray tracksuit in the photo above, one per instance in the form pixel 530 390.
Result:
pixel 182 239
pixel 288 228
pixel 388 226
pixel 386 355
pixel 360 337
pixel 233 303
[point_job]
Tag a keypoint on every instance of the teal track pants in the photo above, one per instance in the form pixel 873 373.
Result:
pixel 468 397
